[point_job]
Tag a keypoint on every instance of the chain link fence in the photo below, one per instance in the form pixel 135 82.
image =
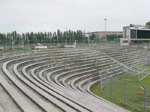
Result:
pixel 130 94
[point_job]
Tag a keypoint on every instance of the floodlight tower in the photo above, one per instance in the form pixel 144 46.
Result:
pixel 105 29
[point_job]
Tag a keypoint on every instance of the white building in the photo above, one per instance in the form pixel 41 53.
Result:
pixel 135 32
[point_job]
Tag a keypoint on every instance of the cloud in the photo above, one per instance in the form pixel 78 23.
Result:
pixel 49 15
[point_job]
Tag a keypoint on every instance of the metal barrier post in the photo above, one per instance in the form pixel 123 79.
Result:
pixel 65 66
pixel 125 93
pixel 101 82
pixel 111 86
pixel 145 99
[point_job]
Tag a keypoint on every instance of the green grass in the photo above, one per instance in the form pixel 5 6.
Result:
pixel 96 90
pixel 145 82
pixel 134 101
pixel 6 50
pixel 52 47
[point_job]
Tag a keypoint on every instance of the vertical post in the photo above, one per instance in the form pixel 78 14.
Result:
pixel 89 40
pixel 145 100
pixel 65 66
pixel 101 82
pixel 117 39
pixel 136 33
pixel 125 93
pixel 111 87
pixel 28 42
pixel 105 30
pixel 70 40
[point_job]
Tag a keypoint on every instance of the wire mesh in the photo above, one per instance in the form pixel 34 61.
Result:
pixel 130 94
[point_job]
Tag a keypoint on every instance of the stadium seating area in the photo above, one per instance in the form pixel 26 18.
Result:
pixel 125 54
pixel 59 80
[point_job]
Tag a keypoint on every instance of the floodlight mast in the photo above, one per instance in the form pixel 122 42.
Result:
pixel 105 29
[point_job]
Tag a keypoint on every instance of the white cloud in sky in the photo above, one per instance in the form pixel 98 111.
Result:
pixel 88 15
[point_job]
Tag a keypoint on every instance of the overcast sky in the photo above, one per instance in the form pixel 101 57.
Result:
pixel 88 15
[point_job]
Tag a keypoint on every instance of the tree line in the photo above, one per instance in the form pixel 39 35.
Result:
pixel 51 38
pixel 65 37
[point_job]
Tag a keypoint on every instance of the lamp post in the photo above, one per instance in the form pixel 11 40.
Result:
pixel 105 29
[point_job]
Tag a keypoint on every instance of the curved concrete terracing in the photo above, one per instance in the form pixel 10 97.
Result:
pixel 56 80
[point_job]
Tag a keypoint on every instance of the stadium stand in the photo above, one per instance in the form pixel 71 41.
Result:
pixel 59 80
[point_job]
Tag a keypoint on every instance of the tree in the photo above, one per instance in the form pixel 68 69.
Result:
pixel 92 36
pixel 148 23
pixel 68 37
